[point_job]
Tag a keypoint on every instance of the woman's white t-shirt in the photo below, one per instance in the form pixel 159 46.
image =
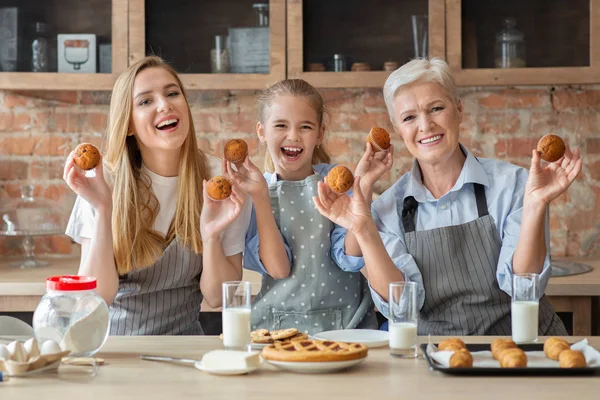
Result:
pixel 233 239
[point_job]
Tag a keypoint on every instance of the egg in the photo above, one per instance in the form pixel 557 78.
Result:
pixel 4 353
pixel 17 351
pixel 32 348
pixel 50 347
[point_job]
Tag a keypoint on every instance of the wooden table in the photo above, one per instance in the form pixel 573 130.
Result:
pixel 20 290
pixel 381 376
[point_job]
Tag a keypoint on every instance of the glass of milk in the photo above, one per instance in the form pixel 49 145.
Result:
pixel 236 315
pixel 403 319
pixel 524 307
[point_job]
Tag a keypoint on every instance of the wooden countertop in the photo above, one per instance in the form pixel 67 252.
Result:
pixel 31 282
pixel 380 376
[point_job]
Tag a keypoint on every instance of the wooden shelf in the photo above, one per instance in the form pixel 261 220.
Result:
pixel 372 79
pixel 73 81
pixel 208 81
pixel 519 76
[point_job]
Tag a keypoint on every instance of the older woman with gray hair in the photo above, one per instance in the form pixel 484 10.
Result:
pixel 458 225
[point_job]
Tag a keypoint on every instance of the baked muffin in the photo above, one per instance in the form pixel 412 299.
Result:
pixel 218 188
pixel 340 179
pixel 551 147
pixel 235 151
pixel 572 359
pixel 86 156
pixel 379 138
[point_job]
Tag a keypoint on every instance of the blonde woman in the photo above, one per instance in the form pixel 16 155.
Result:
pixel 149 233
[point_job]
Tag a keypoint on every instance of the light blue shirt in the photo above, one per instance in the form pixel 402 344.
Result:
pixel 504 188
pixel 252 259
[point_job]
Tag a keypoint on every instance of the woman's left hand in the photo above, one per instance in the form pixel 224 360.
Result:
pixel 545 183
pixel 216 216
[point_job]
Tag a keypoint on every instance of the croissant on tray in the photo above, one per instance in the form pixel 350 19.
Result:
pixel 554 346
pixel 571 359
pixel 512 358
pixel 452 344
pixel 498 345
pixel 461 359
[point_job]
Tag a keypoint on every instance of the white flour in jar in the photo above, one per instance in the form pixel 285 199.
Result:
pixel 87 334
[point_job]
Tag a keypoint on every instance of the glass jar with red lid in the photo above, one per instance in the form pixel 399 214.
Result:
pixel 72 314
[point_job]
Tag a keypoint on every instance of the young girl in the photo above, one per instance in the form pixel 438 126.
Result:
pixel 146 228
pixel 302 287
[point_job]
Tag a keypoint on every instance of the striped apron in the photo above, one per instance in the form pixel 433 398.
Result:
pixel 458 265
pixel 163 299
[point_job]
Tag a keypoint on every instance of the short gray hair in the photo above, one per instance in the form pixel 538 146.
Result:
pixel 418 70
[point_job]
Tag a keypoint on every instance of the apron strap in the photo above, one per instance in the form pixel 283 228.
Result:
pixel 480 199
pixel 409 208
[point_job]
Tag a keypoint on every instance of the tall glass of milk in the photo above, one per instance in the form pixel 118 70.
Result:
pixel 524 307
pixel 236 315
pixel 403 319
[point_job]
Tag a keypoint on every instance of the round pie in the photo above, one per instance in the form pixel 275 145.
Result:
pixel 314 351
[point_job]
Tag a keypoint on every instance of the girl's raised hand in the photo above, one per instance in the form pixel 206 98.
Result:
pixel 351 213
pixel 247 177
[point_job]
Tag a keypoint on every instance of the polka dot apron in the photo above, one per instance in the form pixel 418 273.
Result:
pixel 317 295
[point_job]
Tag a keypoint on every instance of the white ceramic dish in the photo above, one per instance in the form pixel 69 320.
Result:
pixel 370 337
pixel 315 367
pixel 198 364
pixel 258 346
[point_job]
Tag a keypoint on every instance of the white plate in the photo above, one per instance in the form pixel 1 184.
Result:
pixel 199 365
pixel 315 367
pixel 258 346
pixel 370 337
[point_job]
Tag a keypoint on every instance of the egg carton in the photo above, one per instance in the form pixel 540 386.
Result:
pixel 19 359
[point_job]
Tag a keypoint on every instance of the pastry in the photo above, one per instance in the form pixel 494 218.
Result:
pixel 461 359
pixel 314 351
pixel 513 358
pixel 501 344
pixel 554 346
pixel 235 151
pixel 451 344
pixel 261 336
pixel 571 359
pixel 340 179
pixel 379 138
pixel 218 188
pixel 551 147
pixel 281 334
pixel 86 156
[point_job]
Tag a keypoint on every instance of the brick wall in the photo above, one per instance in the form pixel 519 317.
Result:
pixel 38 129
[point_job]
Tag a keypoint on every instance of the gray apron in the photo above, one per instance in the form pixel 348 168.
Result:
pixel 163 299
pixel 458 265
pixel 317 295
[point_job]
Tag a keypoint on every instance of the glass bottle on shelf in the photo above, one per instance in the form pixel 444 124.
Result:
pixel 262 14
pixel 219 56
pixel 39 49
pixel 510 46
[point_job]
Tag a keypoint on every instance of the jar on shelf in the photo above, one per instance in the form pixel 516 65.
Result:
pixel 510 46
pixel 73 315
pixel 39 49
pixel 219 56
pixel 262 14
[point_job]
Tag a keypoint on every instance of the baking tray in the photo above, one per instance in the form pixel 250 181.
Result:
pixel 486 371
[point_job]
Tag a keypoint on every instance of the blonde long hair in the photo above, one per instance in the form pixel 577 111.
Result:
pixel 300 88
pixel 136 244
